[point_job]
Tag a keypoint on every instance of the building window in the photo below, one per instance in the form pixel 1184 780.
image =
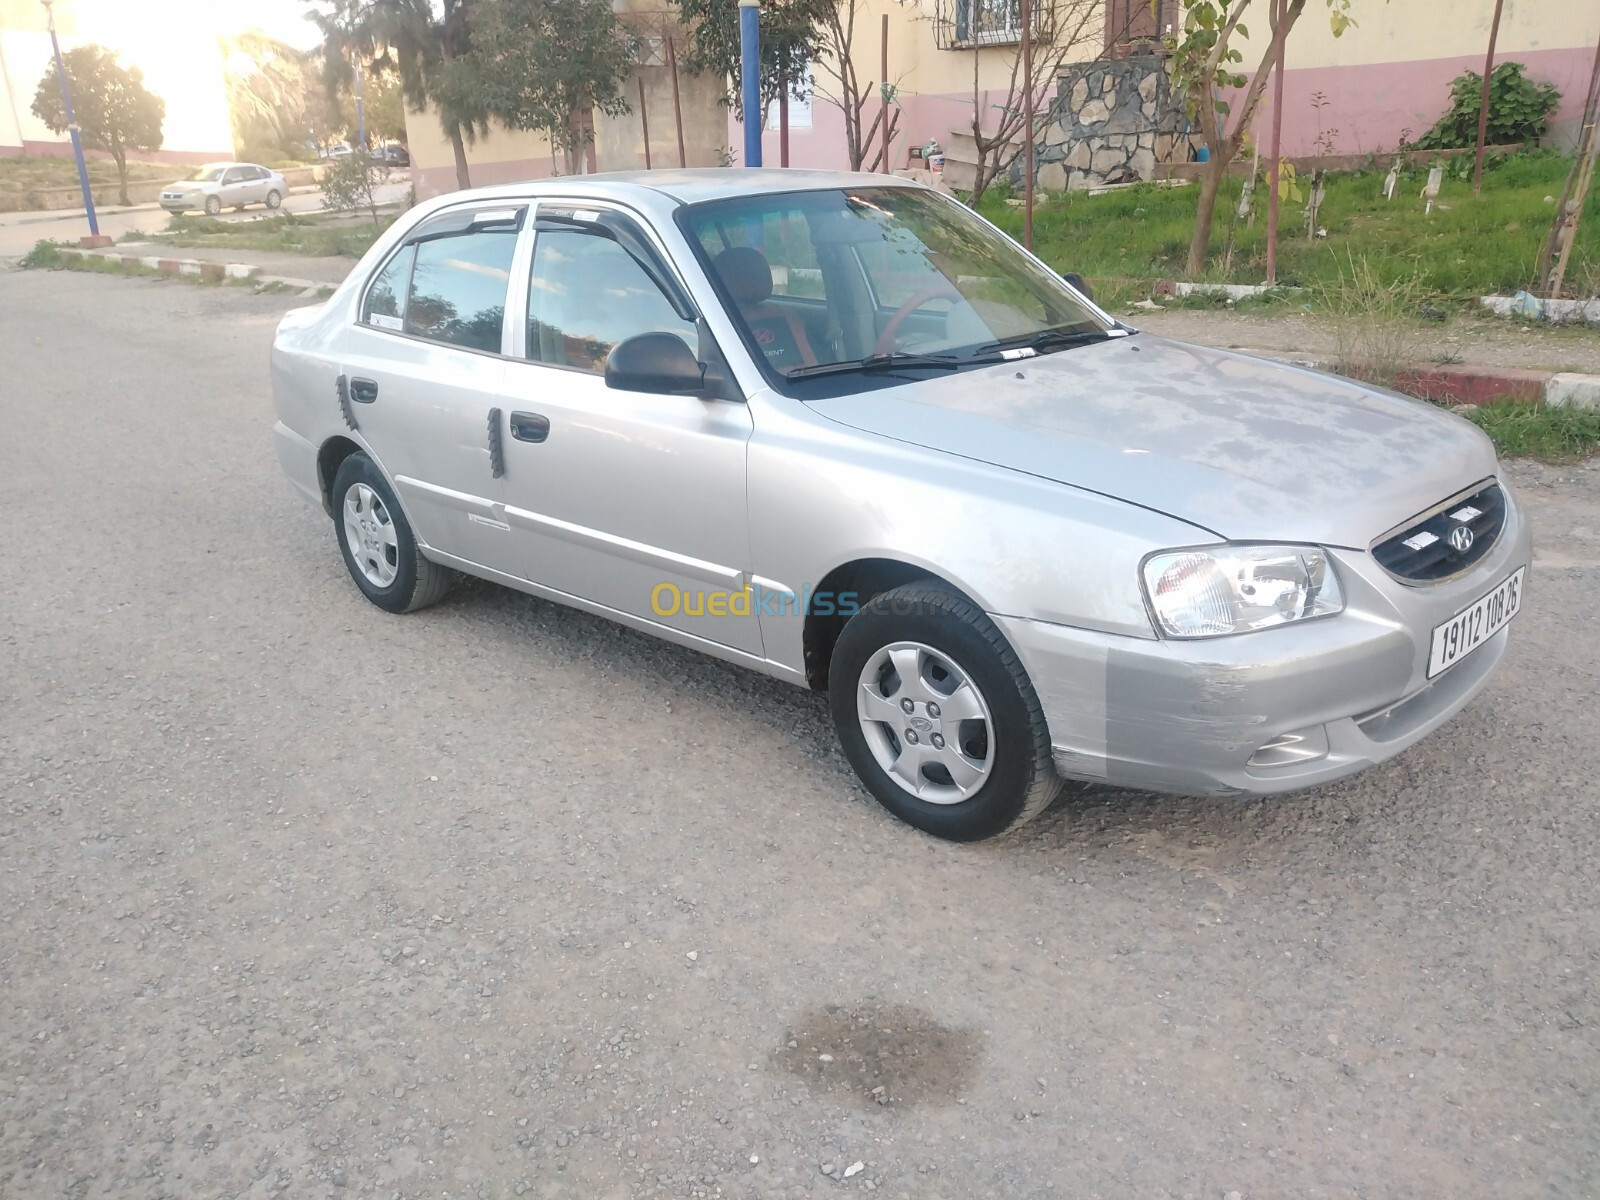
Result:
pixel 962 24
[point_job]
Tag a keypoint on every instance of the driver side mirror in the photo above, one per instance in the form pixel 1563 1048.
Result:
pixel 1078 281
pixel 657 363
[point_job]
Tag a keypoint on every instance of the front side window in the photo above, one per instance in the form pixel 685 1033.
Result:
pixel 206 175
pixel 586 293
pixel 828 281
pixel 234 176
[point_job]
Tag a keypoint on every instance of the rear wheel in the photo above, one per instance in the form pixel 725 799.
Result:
pixel 379 549
pixel 937 716
pixel 273 199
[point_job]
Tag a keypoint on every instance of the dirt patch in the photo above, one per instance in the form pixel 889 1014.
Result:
pixel 881 1054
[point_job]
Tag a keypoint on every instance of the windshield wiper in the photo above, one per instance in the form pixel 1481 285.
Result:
pixel 877 362
pixel 1046 340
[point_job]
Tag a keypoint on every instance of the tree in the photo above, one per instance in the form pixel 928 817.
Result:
pixel 791 39
pixel 383 109
pixel 349 183
pixel 115 112
pixel 1202 67
pixel 267 82
pixel 420 40
pixel 547 65
pixel 1058 33
pixel 864 141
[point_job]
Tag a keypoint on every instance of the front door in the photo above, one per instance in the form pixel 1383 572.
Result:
pixel 423 372
pixel 632 501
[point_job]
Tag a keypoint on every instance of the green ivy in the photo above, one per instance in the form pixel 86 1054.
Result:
pixel 1519 110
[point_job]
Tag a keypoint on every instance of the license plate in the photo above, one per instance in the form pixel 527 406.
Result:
pixel 1475 625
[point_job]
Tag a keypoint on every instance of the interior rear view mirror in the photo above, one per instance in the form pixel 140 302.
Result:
pixel 1079 282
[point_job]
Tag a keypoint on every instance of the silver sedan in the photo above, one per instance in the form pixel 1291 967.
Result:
pixel 838 429
pixel 217 186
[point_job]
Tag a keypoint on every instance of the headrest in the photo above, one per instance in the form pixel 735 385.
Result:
pixel 745 272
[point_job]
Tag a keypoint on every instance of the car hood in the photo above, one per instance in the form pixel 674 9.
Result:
pixel 1249 449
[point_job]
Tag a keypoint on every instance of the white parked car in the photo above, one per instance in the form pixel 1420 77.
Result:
pixel 217 186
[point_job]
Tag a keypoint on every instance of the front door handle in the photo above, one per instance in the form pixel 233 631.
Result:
pixel 529 427
pixel 363 391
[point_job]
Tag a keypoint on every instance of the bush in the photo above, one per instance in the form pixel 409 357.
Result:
pixel 1519 110
pixel 43 254
pixel 348 183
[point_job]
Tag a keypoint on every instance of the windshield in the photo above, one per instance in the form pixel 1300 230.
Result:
pixel 207 175
pixel 873 276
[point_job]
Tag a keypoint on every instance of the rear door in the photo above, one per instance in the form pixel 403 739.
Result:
pixel 423 369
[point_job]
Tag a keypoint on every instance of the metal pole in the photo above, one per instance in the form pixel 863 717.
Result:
pixel 1280 11
pixel 750 78
pixel 72 124
pixel 361 112
pixel 883 98
pixel 783 120
pixel 1483 102
pixel 1026 14
pixel 644 119
pixel 677 105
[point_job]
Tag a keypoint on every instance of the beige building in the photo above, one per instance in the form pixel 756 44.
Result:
pixel 508 154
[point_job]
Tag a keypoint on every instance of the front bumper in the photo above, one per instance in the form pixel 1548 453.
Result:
pixel 1270 711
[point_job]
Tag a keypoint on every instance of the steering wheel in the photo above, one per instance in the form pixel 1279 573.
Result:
pixel 885 343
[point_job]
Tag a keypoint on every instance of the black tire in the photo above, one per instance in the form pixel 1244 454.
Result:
pixel 273 199
pixel 1022 782
pixel 417 582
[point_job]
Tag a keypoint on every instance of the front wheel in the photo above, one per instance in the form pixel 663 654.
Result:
pixel 379 549
pixel 937 716
pixel 213 206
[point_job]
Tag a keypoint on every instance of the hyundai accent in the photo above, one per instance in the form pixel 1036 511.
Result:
pixel 839 429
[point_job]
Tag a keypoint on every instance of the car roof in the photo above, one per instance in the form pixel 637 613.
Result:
pixel 691 185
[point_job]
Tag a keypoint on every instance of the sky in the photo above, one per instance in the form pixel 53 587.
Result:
pixel 282 19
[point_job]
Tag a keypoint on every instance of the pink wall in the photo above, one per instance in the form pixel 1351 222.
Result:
pixel 1371 105
pixel 822 146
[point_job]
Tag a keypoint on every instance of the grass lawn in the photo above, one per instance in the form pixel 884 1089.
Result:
pixel 1473 246
pixel 321 236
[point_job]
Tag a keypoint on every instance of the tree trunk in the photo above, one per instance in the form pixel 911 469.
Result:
pixel 1200 243
pixel 121 157
pixel 463 175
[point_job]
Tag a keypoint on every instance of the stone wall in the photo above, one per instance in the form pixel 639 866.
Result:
pixel 1112 121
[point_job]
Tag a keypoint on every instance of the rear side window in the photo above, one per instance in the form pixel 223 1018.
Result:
pixel 458 288
pixel 385 306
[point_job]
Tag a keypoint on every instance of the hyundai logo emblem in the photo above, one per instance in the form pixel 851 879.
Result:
pixel 1461 539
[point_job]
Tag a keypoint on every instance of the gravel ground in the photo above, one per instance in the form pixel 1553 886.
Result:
pixel 1471 340
pixel 498 899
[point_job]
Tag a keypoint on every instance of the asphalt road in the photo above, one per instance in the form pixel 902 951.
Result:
pixel 19 232
pixel 497 899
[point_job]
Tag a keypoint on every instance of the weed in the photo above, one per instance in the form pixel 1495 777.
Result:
pixel 1564 434
pixel 1373 319
pixel 43 255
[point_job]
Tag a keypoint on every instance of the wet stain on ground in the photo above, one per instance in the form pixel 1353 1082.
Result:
pixel 881 1054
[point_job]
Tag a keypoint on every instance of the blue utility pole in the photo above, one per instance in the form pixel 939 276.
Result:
pixel 72 124
pixel 750 78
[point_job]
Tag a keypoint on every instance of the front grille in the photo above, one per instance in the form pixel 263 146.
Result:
pixel 1427 549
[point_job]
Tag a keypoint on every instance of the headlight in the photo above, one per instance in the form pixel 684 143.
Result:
pixel 1232 589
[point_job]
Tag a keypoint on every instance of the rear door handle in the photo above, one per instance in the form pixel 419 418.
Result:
pixel 529 427
pixel 363 391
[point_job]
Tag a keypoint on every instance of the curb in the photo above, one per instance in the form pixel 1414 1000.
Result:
pixel 194 268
